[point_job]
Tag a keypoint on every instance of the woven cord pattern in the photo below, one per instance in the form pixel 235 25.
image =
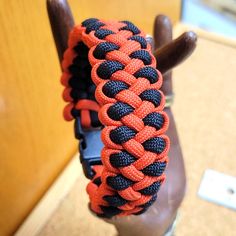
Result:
pixel 125 91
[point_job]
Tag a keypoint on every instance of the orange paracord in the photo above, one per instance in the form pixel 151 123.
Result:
pixel 111 82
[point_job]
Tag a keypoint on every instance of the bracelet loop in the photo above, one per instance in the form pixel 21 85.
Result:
pixel 113 90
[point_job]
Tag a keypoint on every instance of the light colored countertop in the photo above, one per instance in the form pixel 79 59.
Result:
pixel 205 113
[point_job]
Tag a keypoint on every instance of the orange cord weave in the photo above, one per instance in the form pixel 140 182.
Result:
pixel 135 199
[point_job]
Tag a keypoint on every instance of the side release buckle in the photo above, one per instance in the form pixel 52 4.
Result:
pixel 90 147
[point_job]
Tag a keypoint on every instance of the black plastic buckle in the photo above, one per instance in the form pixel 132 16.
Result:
pixel 90 147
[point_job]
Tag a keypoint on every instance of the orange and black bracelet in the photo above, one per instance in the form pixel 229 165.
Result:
pixel 113 92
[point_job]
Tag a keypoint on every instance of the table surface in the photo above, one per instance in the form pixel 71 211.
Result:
pixel 205 112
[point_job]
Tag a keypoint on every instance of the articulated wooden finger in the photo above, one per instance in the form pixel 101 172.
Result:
pixel 61 21
pixel 176 51
pixel 162 36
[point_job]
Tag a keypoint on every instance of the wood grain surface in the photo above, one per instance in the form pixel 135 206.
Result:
pixel 35 142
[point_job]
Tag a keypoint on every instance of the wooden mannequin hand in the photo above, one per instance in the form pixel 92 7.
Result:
pixel 168 54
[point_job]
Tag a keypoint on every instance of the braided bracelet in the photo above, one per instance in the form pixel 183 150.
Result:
pixel 112 86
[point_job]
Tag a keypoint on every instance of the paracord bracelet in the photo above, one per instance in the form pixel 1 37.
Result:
pixel 123 103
